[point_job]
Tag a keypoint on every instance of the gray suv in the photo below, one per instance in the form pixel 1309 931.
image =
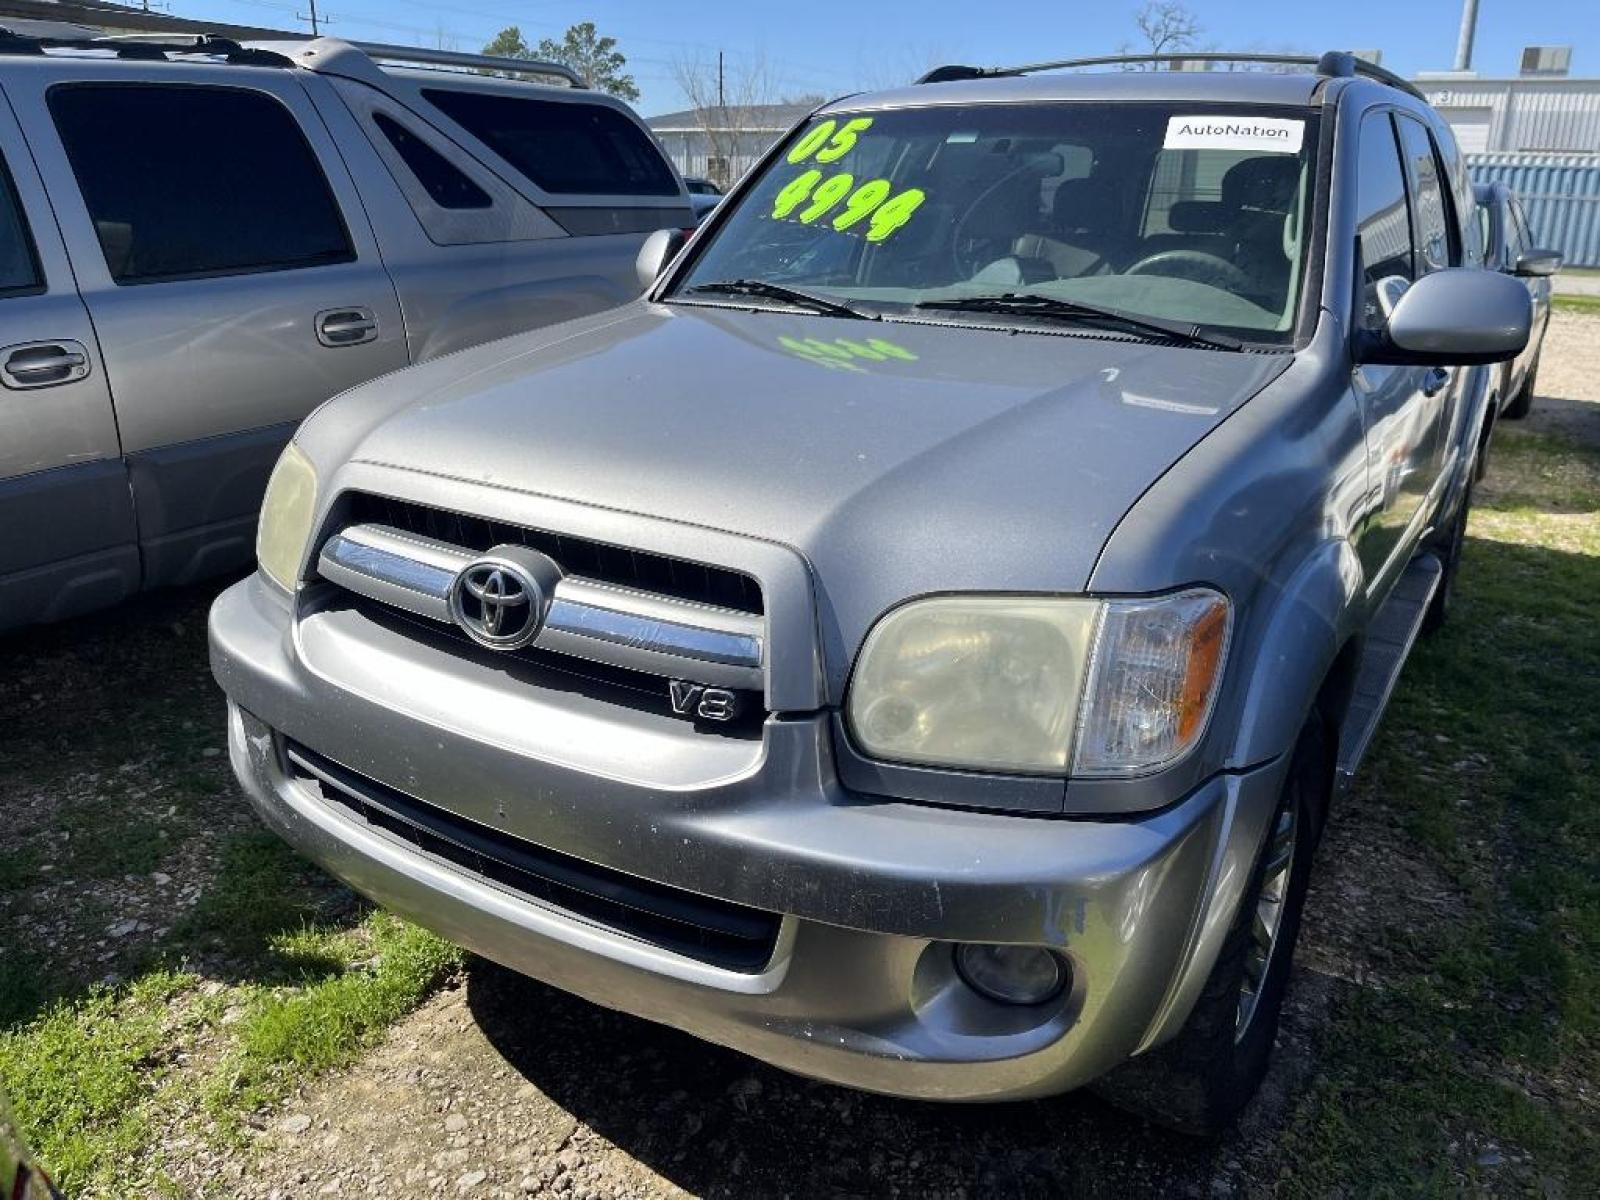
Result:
pixel 917 643
pixel 200 242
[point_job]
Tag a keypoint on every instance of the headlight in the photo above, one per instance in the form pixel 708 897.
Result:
pixel 1031 684
pixel 286 513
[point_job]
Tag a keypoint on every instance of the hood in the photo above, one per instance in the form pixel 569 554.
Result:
pixel 898 459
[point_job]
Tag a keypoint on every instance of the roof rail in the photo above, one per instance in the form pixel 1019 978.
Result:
pixel 422 56
pixel 146 46
pixel 1335 64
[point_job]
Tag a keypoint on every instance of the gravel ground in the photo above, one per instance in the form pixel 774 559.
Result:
pixel 500 1086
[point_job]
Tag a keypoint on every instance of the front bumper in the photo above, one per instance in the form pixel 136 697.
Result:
pixel 861 988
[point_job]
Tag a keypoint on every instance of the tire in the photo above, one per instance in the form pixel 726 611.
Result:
pixel 1201 1080
pixel 1522 403
pixel 1449 551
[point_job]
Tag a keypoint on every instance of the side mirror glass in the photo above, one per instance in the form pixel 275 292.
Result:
pixel 1459 316
pixel 659 249
pixel 1537 264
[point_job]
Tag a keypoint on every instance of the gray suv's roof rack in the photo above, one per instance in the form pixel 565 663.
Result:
pixel 159 45
pixel 421 56
pixel 145 46
pixel 1335 64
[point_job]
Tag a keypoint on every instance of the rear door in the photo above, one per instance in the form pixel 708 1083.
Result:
pixel 230 272
pixel 66 523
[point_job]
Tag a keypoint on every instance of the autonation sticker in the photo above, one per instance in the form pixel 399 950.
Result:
pixel 1273 135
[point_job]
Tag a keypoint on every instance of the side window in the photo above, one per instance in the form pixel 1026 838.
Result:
pixel 1436 244
pixel 445 185
pixel 564 147
pixel 1383 228
pixel 19 265
pixel 188 181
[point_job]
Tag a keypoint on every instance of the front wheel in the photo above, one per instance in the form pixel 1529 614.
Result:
pixel 1200 1081
pixel 1522 403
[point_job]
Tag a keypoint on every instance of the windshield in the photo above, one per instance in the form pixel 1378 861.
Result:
pixel 1174 211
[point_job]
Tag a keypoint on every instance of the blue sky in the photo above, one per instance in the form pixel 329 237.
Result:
pixel 833 46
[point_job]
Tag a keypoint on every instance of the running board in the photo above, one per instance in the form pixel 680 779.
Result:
pixel 1394 630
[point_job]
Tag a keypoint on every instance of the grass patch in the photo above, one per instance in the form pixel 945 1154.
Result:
pixel 1459 1070
pixel 1575 303
pixel 79 1076
pixel 327 1023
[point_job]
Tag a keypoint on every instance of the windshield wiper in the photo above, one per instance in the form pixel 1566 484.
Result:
pixel 1033 305
pixel 777 291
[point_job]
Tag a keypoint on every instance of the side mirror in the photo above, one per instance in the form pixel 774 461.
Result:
pixel 1459 316
pixel 1537 264
pixel 659 249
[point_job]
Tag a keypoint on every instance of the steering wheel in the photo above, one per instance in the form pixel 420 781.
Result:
pixel 1195 265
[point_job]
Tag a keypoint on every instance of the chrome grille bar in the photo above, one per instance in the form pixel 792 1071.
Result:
pixel 587 619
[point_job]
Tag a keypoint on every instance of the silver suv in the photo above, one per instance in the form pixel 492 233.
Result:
pixel 917 644
pixel 200 242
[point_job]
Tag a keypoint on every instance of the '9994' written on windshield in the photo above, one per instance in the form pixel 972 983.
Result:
pixel 814 194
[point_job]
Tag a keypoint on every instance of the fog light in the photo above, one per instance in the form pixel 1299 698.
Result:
pixel 1011 974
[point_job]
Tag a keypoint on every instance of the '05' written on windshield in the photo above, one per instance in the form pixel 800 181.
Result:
pixel 815 194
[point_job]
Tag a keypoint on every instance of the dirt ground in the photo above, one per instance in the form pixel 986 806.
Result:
pixel 498 1086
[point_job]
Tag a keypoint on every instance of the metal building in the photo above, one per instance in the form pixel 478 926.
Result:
pixel 1525 115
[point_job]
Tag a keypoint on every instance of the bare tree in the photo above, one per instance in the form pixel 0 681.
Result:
pixel 1165 27
pixel 720 94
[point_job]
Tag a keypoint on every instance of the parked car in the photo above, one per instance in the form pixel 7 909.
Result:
pixel 1508 245
pixel 200 242
pixel 917 643
pixel 703 195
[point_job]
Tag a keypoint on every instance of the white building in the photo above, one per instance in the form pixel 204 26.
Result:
pixel 1542 111
pixel 721 144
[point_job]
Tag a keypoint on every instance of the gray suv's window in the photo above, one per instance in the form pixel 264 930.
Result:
pixel 1174 210
pixel 564 147
pixel 1435 231
pixel 1383 227
pixel 185 182
pixel 19 267
pixel 446 186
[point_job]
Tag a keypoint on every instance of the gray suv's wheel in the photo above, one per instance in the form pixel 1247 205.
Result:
pixel 1198 1082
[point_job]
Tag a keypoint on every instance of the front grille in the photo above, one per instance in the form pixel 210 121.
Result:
pixel 674 577
pixel 711 931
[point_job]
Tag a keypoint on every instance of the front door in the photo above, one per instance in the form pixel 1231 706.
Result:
pixel 230 271
pixel 1402 232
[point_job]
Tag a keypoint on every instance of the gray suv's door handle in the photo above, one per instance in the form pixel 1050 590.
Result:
pixel 346 326
pixel 1434 381
pixel 43 364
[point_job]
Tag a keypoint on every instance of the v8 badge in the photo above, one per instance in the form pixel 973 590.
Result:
pixel 697 701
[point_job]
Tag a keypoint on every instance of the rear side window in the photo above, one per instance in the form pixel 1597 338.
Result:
pixel 1436 246
pixel 563 147
pixel 445 185
pixel 187 182
pixel 19 266
pixel 1383 228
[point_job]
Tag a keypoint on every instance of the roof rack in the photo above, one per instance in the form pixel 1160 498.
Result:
pixel 157 46
pixel 146 47
pixel 421 56
pixel 1335 64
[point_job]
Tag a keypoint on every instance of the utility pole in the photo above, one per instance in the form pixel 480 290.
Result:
pixel 317 22
pixel 1469 30
pixel 721 99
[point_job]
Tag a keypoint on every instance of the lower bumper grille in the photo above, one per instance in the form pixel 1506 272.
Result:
pixel 716 932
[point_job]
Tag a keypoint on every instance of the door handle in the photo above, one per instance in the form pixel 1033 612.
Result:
pixel 43 364
pixel 1435 381
pixel 346 326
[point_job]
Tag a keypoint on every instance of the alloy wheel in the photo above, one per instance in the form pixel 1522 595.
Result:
pixel 1270 901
